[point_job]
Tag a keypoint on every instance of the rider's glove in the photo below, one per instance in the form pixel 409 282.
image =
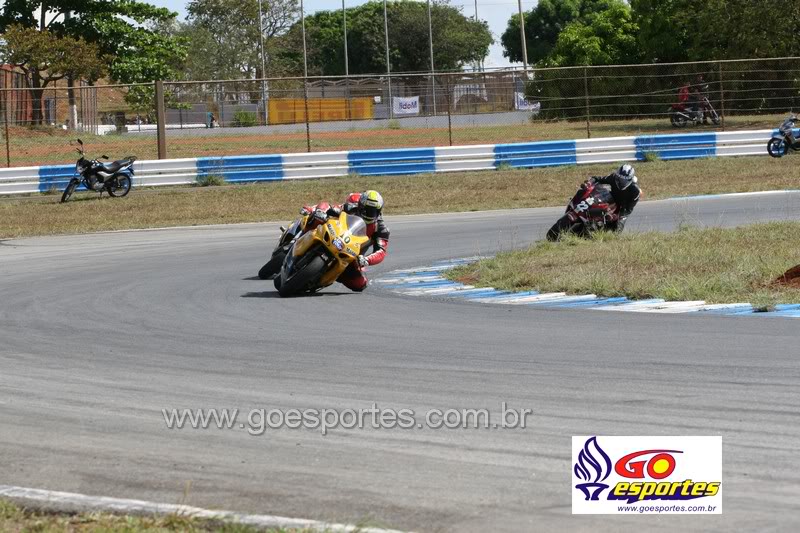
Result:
pixel 320 215
pixel 362 261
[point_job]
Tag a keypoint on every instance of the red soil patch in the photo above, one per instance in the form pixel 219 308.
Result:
pixel 790 278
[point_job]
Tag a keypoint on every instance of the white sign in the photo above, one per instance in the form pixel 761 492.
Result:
pixel 646 475
pixel 523 104
pixel 406 106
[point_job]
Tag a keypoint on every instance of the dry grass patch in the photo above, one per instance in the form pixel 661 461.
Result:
pixel 716 265
pixel 448 192
pixel 46 146
pixel 15 519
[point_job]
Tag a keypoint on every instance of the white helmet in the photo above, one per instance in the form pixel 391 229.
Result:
pixel 626 176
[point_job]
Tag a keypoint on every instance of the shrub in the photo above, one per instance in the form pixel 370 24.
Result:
pixel 651 157
pixel 210 180
pixel 244 119
pixel 394 124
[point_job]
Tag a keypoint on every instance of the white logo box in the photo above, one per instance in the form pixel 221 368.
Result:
pixel 646 475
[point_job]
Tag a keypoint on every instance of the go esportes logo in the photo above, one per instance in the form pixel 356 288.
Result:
pixel 621 475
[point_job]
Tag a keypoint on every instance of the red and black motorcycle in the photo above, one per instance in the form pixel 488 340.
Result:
pixel 591 209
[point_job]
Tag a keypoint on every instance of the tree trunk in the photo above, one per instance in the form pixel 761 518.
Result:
pixel 37 95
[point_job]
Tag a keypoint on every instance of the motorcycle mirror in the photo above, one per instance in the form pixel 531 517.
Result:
pixel 104 157
pixel 80 142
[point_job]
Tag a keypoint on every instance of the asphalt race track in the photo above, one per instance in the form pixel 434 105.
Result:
pixel 101 332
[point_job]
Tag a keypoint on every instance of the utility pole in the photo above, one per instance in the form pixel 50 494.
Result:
pixel 433 69
pixel 522 36
pixel 388 63
pixel 346 65
pixel 263 62
pixel 305 75
pixel 72 121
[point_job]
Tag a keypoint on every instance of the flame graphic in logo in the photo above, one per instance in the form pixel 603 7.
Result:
pixel 593 467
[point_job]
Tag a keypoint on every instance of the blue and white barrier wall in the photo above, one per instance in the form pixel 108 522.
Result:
pixel 252 168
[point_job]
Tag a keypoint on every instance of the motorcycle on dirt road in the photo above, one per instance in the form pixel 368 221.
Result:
pixel 682 114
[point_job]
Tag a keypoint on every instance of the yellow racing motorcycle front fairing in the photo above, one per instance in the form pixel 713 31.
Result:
pixel 338 242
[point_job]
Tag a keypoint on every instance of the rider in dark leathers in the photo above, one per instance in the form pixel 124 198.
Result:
pixel 625 190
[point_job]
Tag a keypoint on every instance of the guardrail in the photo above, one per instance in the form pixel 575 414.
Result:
pixel 252 168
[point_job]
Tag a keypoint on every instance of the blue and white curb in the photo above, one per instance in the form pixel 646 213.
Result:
pixel 406 161
pixel 429 281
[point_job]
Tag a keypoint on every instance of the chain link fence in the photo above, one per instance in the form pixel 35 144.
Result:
pixel 242 117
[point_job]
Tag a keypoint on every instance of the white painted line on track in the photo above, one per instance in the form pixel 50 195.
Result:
pixel 73 502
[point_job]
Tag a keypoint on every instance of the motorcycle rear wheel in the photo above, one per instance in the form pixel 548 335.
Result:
pixel 301 279
pixel 777 147
pixel 120 187
pixel 563 225
pixel 69 190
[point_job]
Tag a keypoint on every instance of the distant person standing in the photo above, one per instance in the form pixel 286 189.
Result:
pixel 211 121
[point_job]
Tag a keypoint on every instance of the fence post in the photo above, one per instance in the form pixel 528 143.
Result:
pixel 721 99
pixel 449 112
pixel 161 120
pixel 586 96
pixel 308 119
pixel 5 121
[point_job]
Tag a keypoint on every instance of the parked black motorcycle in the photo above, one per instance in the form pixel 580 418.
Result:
pixel 784 140
pixel 115 178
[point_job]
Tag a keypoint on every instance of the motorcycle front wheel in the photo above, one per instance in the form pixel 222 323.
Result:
pixel 563 225
pixel 301 279
pixel 272 267
pixel 120 187
pixel 714 117
pixel 73 184
pixel 777 147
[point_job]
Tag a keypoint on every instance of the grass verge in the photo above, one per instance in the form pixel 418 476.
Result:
pixel 716 265
pixel 45 146
pixel 448 192
pixel 14 518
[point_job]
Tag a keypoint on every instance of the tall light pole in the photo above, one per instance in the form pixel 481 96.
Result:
pixel 346 64
pixel 478 65
pixel 522 37
pixel 433 68
pixel 263 62
pixel 388 64
pixel 305 74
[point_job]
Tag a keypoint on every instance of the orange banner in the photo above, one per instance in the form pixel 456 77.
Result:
pixel 292 110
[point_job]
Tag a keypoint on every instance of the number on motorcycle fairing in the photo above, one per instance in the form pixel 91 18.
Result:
pixel 584 205
pixel 338 244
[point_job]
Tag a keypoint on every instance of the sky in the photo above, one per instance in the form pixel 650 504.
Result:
pixel 495 12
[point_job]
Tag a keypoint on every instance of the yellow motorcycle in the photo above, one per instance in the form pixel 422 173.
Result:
pixel 317 258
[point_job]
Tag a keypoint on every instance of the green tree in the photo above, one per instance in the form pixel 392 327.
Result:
pixel 224 37
pixel 607 37
pixel 544 23
pixel 458 40
pixel 46 58
pixel 694 30
pixel 119 29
